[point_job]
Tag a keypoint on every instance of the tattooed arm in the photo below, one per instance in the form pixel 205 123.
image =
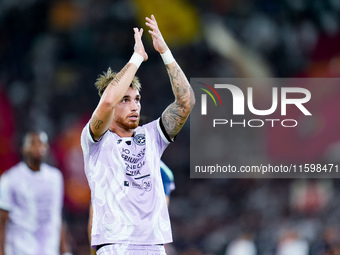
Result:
pixel 175 114
pixel 103 115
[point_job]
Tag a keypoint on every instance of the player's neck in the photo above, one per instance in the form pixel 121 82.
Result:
pixel 121 131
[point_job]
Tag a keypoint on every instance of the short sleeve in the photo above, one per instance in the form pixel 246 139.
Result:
pixel 5 192
pixel 162 131
pixel 88 144
pixel 86 139
pixel 159 138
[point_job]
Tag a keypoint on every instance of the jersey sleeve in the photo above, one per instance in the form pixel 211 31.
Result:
pixel 86 136
pixel 161 129
pixel 5 192
pixel 88 144
pixel 91 148
pixel 161 139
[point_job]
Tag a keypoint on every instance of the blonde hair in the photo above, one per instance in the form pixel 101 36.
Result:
pixel 104 80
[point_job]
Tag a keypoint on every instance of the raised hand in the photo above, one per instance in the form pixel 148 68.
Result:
pixel 139 47
pixel 157 38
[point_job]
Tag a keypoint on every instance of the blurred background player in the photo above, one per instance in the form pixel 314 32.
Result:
pixel 31 201
pixel 291 243
pixel 242 245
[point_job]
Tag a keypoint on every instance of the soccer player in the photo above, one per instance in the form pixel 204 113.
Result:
pixel 122 160
pixel 31 200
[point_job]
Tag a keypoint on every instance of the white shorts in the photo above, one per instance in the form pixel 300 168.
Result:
pixel 131 249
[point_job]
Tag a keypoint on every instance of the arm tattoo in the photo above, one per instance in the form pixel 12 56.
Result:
pixel 174 118
pixel 121 73
pixel 95 122
pixel 179 83
pixel 177 113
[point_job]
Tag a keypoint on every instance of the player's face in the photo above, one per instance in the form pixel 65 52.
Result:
pixel 35 146
pixel 127 111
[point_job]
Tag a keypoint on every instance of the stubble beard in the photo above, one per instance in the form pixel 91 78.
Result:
pixel 127 124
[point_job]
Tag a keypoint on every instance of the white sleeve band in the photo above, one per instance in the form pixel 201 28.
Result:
pixel 136 59
pixel 167 57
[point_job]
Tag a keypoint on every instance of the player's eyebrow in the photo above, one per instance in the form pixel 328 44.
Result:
pixel 126 97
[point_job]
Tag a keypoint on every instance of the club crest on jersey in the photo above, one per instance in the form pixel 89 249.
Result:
pixel 139 139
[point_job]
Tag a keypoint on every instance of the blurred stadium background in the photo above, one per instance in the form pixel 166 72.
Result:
pixel 52 51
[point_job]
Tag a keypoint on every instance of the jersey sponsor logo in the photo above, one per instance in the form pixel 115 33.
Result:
pixel 133 162
pixel 139 139
pixel 129 159
pixel 134 167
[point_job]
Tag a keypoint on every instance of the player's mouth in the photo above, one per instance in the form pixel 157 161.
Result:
pixel 134 117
